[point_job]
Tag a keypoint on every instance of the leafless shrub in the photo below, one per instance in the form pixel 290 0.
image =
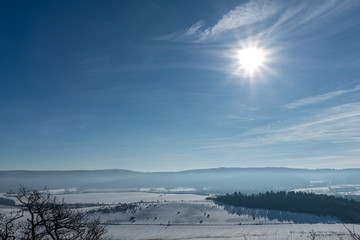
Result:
pixel 8 225
pixel 312 234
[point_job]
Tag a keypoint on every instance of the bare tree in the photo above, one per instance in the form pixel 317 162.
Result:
pixel 8 225
pixel 49 218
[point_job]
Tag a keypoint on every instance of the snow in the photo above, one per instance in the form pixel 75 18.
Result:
pixel 316 190
pixel 340 190
pixel 246 232
pixel 191 216
pixel 126 197
pixel 176 213
pixel 205 213
pixel 182 189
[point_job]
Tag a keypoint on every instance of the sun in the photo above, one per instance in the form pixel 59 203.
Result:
pixel 250 60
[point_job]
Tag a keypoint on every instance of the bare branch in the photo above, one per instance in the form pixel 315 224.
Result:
pixel 52 219
pixel 352 233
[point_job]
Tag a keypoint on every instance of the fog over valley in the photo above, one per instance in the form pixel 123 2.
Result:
pixel 206 181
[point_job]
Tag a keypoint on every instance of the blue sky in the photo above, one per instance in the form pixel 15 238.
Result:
pixel 157 86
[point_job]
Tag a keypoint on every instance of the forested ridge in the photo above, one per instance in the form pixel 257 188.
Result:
pixel 319 204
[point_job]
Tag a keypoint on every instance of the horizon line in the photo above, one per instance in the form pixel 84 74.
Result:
pixel 165 171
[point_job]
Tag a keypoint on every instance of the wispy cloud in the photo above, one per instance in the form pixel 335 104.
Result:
pixel 275 17
pixel 334 125
pixel 250 13
pixel 319 98
pixel 303 17
pixel 246 14
pixel 194 29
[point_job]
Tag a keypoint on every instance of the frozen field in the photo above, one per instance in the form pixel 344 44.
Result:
pixel 189 216
pixel 123 197
pixel 341 189
pixel 192 217
pixel 202 213
pixel 127 197
pixel 245 232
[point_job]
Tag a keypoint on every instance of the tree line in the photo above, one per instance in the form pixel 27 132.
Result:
pixel 7 202
pixel 319 204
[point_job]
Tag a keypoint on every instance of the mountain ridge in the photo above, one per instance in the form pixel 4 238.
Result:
pixel 187 170
pixel 203 180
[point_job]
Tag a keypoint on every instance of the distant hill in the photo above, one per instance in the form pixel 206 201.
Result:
pixel 217 180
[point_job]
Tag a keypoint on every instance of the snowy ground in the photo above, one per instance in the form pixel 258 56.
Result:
pixel 246 232
pixel 190 216
pixel 204 213
pixel 127 197
pixel 338 190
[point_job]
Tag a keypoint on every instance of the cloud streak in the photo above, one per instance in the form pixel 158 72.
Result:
pixel 269 18
pixel 320 98
pixel 250 13
pixel 243 15
pixel 340 124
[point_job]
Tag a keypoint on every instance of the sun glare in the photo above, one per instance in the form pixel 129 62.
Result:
pixel 250 60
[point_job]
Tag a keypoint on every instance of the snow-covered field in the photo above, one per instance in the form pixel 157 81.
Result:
pixel 127 197
pixel 339 190
pixel 203 213
pixel 245 232
pixel 190 216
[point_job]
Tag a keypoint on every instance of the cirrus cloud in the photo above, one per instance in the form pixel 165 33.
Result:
pixel 290 19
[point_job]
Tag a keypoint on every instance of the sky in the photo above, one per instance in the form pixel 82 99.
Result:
pixel 165 86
